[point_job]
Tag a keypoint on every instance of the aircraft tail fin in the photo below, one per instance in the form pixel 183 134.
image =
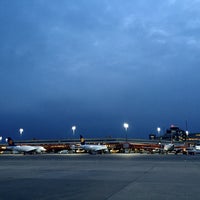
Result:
pixel 10 141
pixel 82 140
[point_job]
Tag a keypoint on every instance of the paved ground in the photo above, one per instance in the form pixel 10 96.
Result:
pixel 99 177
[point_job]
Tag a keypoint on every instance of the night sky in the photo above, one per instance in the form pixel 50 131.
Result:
pixel 96 64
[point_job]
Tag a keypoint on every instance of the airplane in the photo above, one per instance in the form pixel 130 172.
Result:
pixel 197 147
pixel 168 147
pixel 91 148
pixel 23 148
pixel 192 150
pixel 165 148
pixel 176 148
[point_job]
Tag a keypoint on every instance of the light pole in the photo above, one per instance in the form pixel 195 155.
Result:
pixel 21 130
pixel 126 125
pixel 73 129
pixel 158 130
pixel 187 134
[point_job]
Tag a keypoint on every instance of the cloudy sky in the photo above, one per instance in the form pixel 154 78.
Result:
pixel 96 64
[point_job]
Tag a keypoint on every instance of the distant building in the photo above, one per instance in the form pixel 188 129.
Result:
pixel 174 133
pixel 194 137
pixel 152 136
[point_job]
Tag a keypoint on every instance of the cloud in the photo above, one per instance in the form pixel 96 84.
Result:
pixel 82 60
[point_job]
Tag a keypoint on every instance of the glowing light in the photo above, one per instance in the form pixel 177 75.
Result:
pixel 126 125
pixel 21 130
pixel 73 129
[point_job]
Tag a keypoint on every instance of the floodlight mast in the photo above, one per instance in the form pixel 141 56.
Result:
pixel 126 125
pixel 187 134
pixel 73 129
pixel 21 130
pixel 158 130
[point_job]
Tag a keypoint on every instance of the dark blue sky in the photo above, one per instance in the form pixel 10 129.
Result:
pixel 96 64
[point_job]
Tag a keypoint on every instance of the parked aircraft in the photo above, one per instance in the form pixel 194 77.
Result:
pixel 197 147
pixel 192 150
pixel 23 148
pixel 91 148
pixel 168 147
pixel 175 148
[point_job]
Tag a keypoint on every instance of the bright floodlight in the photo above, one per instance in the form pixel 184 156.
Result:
pixel 1 138
pixel 158 129
pixel 126 126
pixel 187 133
pixel 21 130
pixel 73 129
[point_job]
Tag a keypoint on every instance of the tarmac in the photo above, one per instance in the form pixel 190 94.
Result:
pixel 99 177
